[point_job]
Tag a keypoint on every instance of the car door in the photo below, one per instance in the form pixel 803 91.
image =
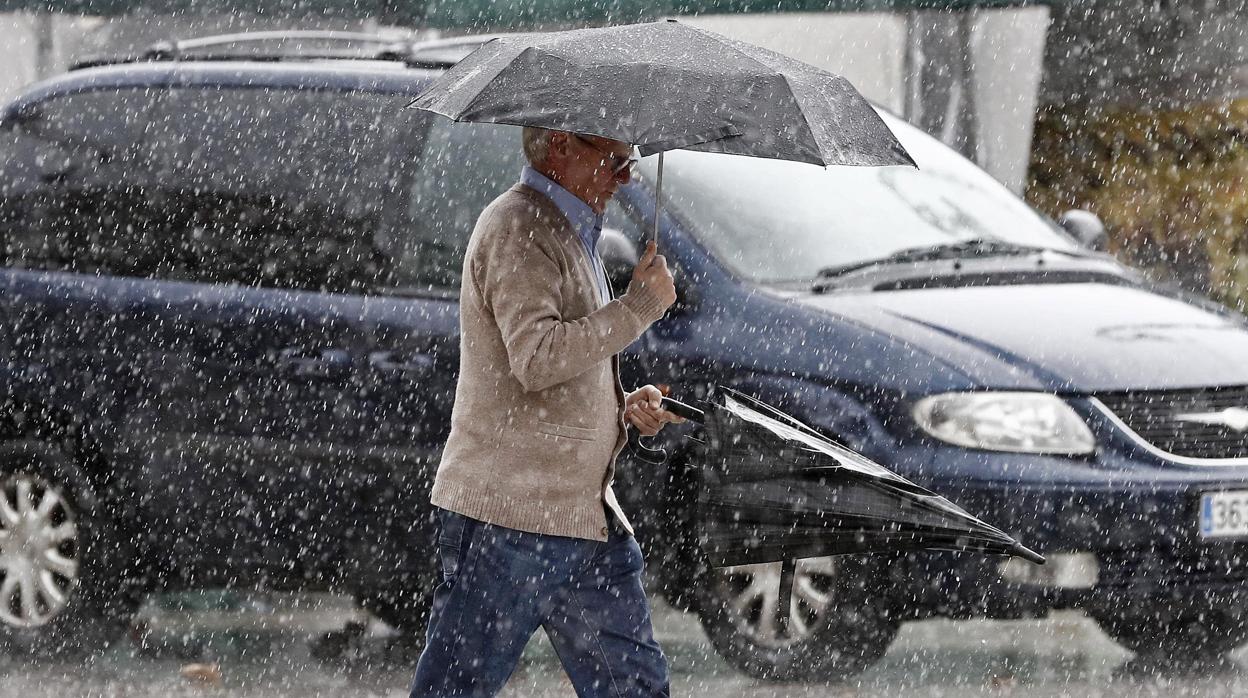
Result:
pixel 412 360
pixel 274 206
pixel 99 216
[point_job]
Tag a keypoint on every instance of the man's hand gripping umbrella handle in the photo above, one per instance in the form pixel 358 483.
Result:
pixel 658 456
pixel 681 409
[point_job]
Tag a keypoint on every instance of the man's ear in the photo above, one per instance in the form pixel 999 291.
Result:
pixel 558 146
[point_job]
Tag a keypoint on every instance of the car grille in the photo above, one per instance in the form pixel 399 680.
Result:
pixel 1199 423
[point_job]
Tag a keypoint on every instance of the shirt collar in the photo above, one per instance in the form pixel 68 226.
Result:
pixel 586 223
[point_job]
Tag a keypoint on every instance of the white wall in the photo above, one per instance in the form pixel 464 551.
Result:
pixel 1008 50
pixel 21 60
pixel 869 49
pixel 17 53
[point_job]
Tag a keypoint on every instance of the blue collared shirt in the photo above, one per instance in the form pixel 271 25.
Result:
pixel 586 223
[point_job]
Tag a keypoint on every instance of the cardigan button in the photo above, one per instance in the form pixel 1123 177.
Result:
pixel 604 530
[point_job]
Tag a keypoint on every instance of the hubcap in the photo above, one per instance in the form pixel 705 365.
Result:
pixel 752 593
pixel 38 551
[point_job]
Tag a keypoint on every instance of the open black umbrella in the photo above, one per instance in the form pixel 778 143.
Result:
pixel 667 85
pixel 773 489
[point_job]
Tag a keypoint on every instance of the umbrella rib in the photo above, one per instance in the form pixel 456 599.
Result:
pixel 503 68
pixel 819 143
pixel 468 70
pixel 801 111
pixel 720 40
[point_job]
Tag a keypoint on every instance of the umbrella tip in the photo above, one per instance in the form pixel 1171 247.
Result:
pixel 1020 550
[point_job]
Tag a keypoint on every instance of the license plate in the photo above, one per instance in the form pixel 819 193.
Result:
pixel 1224 514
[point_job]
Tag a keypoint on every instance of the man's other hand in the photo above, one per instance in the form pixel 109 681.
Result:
pixel 644 410
pixel 651 273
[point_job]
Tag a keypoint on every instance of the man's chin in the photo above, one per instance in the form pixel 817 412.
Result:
pixel 600 204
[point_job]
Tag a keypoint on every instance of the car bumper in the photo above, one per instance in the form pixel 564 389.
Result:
pixel 1127 531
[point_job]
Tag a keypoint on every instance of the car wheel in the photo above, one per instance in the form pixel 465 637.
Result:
pixel 61 561
pixel 1184 637
pixel 407 612
pixel 837 628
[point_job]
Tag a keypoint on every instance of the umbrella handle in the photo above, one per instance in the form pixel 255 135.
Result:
pixel 658 456
pixel 680 409
pixel 653 456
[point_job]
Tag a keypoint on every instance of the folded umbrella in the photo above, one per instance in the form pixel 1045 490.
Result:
pixel 775 490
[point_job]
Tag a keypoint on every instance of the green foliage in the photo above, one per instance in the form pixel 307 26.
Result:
pixel 1169 184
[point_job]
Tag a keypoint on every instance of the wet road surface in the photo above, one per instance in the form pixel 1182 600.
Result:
pixel 265 646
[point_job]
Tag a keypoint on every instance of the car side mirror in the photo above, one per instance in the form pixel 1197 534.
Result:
pixel 23 114
pixel 1086 227
pixel 620 256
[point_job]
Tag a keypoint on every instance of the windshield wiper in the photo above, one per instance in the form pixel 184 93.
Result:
pixel 963 249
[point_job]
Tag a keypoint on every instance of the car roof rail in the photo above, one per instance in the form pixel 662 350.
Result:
pixel 183 45
pixel 433 53
pixel 345 45
pixel 178 49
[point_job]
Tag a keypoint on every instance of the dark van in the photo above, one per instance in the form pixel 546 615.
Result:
pixel 228 293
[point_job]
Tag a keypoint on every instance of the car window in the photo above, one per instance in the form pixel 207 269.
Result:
pixel 259 187
pixel 775 221
pixel 463 167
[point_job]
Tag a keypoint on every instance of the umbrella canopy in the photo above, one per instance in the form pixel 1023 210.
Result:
pixel 774 489
pixel 667 85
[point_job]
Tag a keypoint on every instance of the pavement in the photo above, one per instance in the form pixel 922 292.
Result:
pixel 271 645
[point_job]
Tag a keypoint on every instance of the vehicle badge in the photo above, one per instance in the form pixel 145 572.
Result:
pixel 1235 418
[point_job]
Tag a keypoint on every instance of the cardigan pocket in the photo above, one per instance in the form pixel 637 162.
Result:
pixel 566 431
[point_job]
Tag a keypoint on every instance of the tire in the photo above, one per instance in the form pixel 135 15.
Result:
pixel 407 612
pixel 839 625
pixel 1184 637
pixel 62 562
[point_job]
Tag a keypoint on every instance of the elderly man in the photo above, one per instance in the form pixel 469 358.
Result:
pixel 532 535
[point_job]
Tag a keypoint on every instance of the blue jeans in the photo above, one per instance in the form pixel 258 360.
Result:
pixel 500 585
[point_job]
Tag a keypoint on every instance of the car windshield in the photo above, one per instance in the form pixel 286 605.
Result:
pixel 775 221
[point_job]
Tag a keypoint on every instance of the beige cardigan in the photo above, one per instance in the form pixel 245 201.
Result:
pixel 539 411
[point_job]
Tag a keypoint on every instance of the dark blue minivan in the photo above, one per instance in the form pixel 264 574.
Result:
pixel 228 294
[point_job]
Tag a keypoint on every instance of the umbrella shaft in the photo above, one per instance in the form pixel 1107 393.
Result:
pixel 658 199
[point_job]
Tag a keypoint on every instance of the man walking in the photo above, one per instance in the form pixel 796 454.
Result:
pixel 532 535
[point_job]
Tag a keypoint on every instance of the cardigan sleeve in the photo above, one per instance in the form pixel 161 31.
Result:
pixel 519 279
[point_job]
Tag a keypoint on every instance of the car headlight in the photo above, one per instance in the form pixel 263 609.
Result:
pixel 1001 421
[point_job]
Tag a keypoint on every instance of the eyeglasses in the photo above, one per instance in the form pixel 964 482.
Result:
pixel 619 163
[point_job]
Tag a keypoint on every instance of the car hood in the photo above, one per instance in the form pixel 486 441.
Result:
pixel 1078 337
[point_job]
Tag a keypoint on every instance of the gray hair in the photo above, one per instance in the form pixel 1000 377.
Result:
pixel 536 143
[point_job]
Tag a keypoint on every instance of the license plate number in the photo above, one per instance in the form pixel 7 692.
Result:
pixel 1224 514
